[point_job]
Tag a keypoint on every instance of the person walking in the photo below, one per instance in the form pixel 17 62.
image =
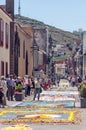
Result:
pixel 1 97
pixel 26 85
pixel 4 87
pixel 10 86
pixel 33 85
pixel 73 81
pixel 37 89
pixel 29 86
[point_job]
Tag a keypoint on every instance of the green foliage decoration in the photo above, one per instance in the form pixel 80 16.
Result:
pixel 18 88
pixel 82 89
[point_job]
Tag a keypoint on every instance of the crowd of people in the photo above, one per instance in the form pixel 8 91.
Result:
pixel 28 85
pixel 74 80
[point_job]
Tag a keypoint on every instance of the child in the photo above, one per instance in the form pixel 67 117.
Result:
pixel 1 97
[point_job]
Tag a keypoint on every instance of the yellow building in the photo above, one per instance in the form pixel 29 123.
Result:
pixel 15 44
pixel 5 21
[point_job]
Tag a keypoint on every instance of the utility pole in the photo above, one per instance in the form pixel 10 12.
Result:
pixel 51 52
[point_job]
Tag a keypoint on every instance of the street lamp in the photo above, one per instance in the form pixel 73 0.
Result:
pixel 35 49
pixel 51 54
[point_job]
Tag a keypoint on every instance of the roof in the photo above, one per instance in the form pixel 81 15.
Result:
pixel 2 7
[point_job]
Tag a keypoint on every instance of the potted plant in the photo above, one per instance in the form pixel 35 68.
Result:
pixel 18 88
pixel 82 90
pixel 18 92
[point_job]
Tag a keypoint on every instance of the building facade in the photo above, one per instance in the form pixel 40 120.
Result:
pixel 5 21
pixel 23 57
pixel 40 36
pixel 84 54
pixel 15 44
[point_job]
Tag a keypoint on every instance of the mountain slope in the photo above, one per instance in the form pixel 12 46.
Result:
pixel 59 36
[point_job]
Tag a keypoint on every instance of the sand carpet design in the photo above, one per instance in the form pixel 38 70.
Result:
pixel 57 104
pixel 42 115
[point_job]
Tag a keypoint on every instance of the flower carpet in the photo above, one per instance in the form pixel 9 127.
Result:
pixel 68 104
pixel 18 127
pixel 60 96
pixel 54 107
pixel 41 115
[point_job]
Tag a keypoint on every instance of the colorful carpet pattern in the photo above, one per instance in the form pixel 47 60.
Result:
pixel 68 104
pixel 54 107
pixel 17 127
pixel 41 115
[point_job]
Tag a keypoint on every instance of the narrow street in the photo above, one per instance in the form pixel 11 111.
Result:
pixel 42 65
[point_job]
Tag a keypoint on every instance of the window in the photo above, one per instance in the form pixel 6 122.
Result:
pixel 2 68
pixel 19 47
pixel 6 68
pixel 24 49
pixel 6 34
pixel 1 32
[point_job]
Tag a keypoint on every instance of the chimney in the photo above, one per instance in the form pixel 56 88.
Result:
pixel 10 7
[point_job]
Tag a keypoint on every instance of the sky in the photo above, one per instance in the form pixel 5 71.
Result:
pixel 68 15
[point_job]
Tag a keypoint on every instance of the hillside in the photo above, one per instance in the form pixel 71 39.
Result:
pixel 59 36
